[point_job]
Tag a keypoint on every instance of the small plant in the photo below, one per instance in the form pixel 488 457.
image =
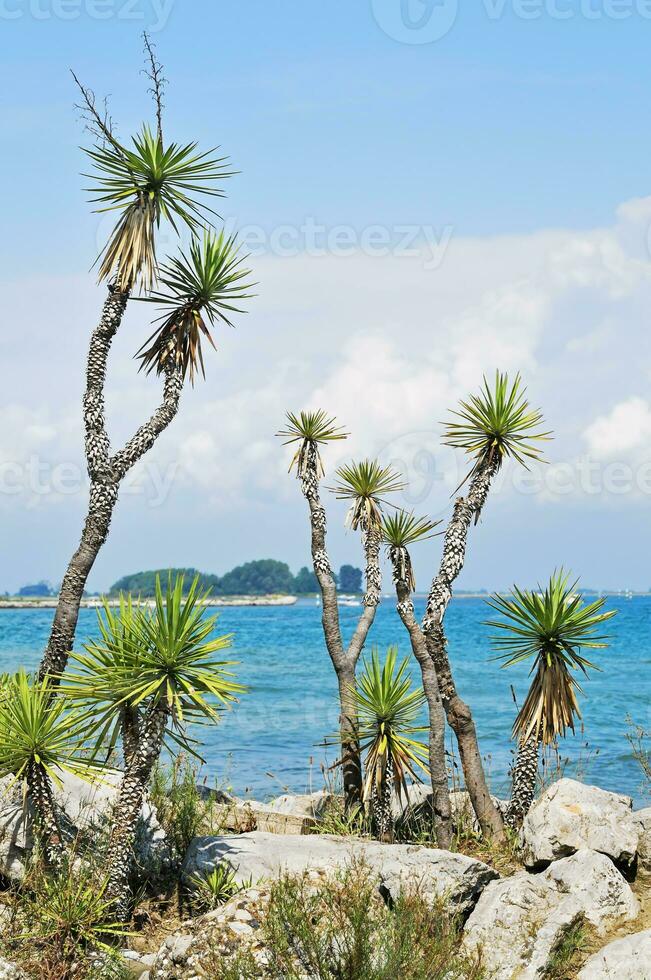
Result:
pixel 215 889
pixel 566 958
pixel 388 709
pixel 340 929
pixel 180 806
pixel 59 921
pixel 639 740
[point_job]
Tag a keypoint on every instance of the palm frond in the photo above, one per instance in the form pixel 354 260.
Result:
pixel 550 627
pixel 402 529
pixel 146 183
pixel 366 484
pixel 37 728
pixel 497 423
pixel 388 710
pixel 200 289
pixel 311 430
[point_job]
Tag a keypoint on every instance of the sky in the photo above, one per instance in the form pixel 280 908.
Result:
pixel 429 191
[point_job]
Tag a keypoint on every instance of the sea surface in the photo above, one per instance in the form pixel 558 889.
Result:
pixel 272 741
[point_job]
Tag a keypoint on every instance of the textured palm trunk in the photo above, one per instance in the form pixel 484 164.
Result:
pixel 524 776
pixel 381 804
pixel 46 821
pixel 441 807
pixel 344 660
pixel 106 473
pixel 458 713
pixel 128 806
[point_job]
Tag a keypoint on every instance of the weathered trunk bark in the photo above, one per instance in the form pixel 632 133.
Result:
pixel 130 724
pixel 105 472
pixel 524 775
pixel 46 820
pixel 126 812
pixel 457 711
pixel 441 807
pixel 381 804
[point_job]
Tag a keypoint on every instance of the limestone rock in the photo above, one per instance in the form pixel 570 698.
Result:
pixel 9 971
pixel 254 856
pixel 624 959
pixel 520 921
pixel 570 816
pixel 86 806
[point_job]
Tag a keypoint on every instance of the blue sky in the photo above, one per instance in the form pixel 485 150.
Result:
pixel 505 164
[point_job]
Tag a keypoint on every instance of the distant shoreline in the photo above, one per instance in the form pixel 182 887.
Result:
pixel 96 602
pixel 50 602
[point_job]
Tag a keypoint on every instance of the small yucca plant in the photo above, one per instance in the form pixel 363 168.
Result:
pixel 215 888
pixel 550 627
pixel 496 424
pixel 388 710
pixel 399 531
pixel 366 485
pixel 146 183
pixel 310 430
pixel 199 289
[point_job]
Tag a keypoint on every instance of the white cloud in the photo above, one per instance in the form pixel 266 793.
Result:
pixel 625 429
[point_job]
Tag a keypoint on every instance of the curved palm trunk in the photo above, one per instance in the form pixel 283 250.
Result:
pixel 128 806
pixel 344 660
pixel 106 473
pixel 457 711
pixel 46 820
pixel 441 809
pixel 524 776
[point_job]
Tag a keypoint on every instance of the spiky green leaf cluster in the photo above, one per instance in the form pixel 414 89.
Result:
pixel 550 627
pixel 199 289
pixel 366 484
pixel 39 729
pixel 310 430
pixel 402 528
pixel 151 658
pixel 145 183
pixel 497 423
pixel 388 709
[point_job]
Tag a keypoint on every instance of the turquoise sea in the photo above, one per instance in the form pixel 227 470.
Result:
pixel 271 740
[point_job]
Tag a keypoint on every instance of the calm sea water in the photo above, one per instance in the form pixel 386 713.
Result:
pixel 271 740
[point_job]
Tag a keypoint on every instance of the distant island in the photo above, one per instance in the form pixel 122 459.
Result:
pixel 255 578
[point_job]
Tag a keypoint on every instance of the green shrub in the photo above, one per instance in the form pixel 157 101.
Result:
pixel 213 890
pixel 340 929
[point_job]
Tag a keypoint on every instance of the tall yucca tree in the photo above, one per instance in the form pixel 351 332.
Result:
pixel 400 530
pixel 388 709
pixel 548 628
pixel 163 669
pixel 144 184
pixel 40 739
pixel 496 424
pixel 365 485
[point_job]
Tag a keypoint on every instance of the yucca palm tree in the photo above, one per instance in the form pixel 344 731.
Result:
pixel 548 627
pixel 149 182
pixel 496 424
pixel 388 709
pixel 163 669
pixel 365 485
pixel 201 289
pixel 41 738
pixel 399 531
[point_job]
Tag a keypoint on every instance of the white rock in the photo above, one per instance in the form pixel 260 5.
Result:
pixel 86 805
pixel 624 959
pixel 9 971
pixel 300 805
pixel 643 820
pixel 597 884
pixel 569 816
pixel 254 856
pixel 518 922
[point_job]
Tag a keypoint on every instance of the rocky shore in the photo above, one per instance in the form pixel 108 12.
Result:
pixel 96 603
